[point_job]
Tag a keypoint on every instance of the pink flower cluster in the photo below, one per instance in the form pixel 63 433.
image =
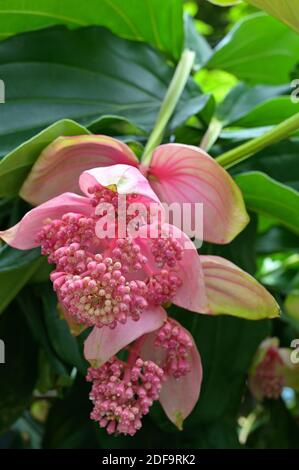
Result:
pixel 271 383
pixel 120 285
pixel 101 282
pixel 123 394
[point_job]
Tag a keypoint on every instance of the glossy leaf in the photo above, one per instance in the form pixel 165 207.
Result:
pixel 16 268
pixel 245 103
pixel 265 195
pixel 19 373
pixel 123 17
pixel 107 75
pixel 286 10
pixel 16 165
pixel 259 49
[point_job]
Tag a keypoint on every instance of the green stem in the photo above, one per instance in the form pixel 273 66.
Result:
pixel 212 134
pixel 280 132
pixel 169 103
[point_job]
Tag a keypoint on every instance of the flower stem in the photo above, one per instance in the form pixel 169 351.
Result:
pixel 279 132
pixel 169 103
pixel 211 135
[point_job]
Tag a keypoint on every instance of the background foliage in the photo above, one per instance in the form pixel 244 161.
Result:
pixel 103 66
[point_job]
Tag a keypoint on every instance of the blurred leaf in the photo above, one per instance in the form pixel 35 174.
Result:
pixel 195 42
pixel 292 305
pixel 265 195
pixel 280 430
pixel 277 239
pixel 269 113
pixel 259 49
pixel 216 82
pixel 68 425
pixel 280 161
pixel 243 101
pixel 224 3
pixel 19 373
pixel 64 344
pixel 124 17
pixel 106 75
pixel 115 126
pixel 16 268
pixel 16 165
pixel 242 249
pixel 32 309
pixel 284 10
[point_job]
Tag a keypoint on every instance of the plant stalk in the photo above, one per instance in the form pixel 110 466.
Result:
pixel 169 103
pixel 244 151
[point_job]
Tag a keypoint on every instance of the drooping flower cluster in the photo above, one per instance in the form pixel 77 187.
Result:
pixel 271 381
pixel 103 281
pixel 272 370
pixel 176 343
pixel 123 394
pixel 120 284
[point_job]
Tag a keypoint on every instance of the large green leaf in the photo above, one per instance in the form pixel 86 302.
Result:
pixel 64 344
pixel 94 73
pixel 19 373
pixel 269 113
pixel 267 196
pixel 225 3
pixel 259 49
pixel 16 165
pixel 280 161
pixel 16 268
pixel 284 10
pixel 243 101
pixel 131 19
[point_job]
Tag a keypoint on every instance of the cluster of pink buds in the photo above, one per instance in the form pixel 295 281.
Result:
pixel 271 382
pixel 102 282
pixel 176 343
pixel 123 394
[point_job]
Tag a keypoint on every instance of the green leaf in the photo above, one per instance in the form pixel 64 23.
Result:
pixel 64 344
pixel 277 239
pixel 259 49
pixel 32 309
pixel 68 425
pixel 269 113
pixel 16 165
pixel 243 101
pixel 280 161
pixel 265 195
pixel 19 373
pixel 196 42
pixel 224 3
pixel 106 75
pixel 284 10
pixel 16 268
pixel 130 19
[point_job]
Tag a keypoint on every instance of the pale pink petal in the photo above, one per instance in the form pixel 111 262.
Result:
pixel 103 343
pixel 23 235
pixel 60 164
pixel 232 291
pixel 125 178
pixel 178 396
pixel 182 173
